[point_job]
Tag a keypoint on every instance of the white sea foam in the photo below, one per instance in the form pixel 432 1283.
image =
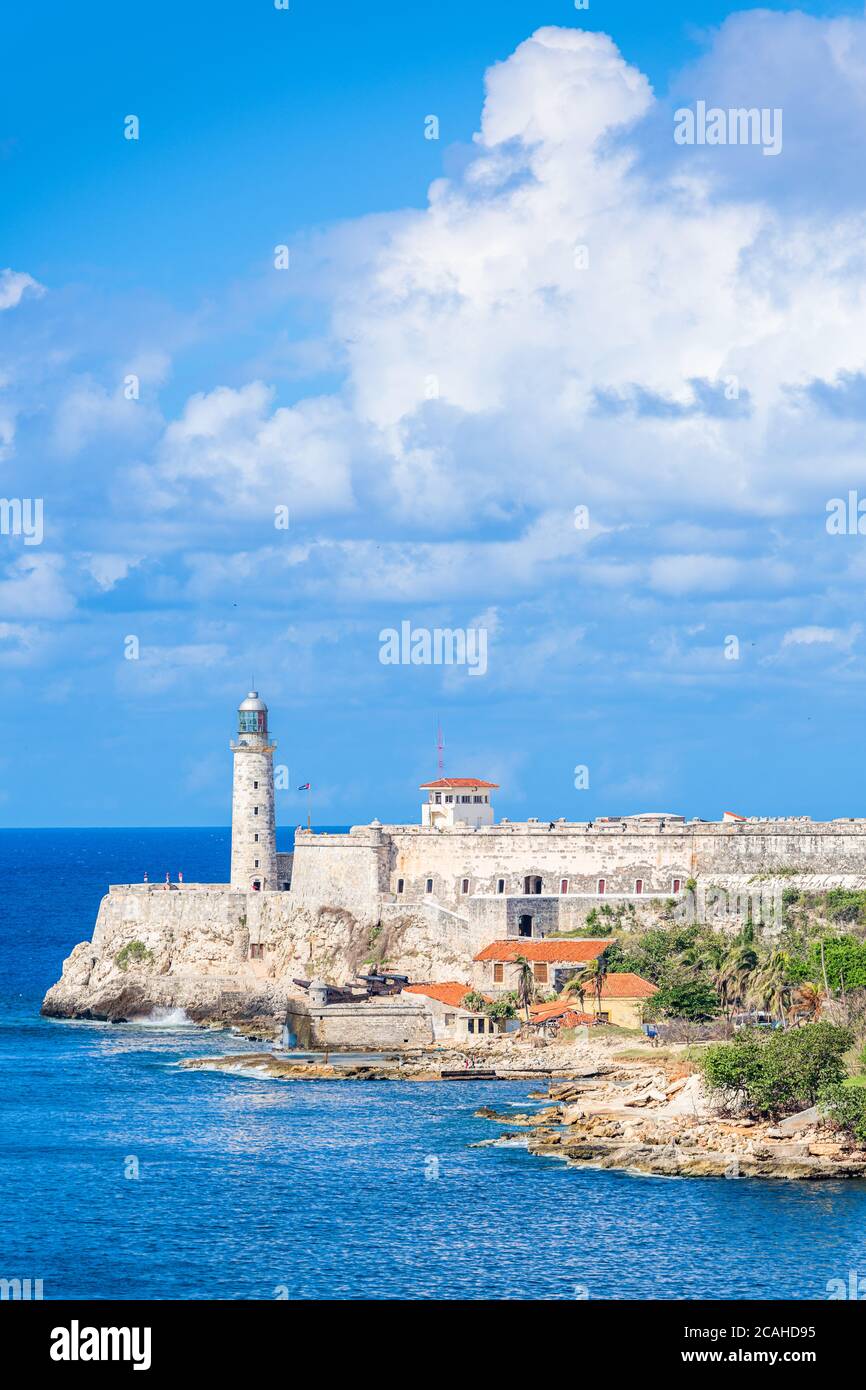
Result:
pixel 164 1018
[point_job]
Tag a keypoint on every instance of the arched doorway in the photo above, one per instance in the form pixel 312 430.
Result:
pixel 524 925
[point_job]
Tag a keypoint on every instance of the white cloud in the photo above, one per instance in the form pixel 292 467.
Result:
pixel 808 636
pixel 33 587
pixel 13 286
pixel 108 569
pixel 241 459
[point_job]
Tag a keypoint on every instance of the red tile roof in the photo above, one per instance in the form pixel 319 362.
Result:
pixel 564 1013
pixel 625 986
pixel 570 952
pixel 444 783
pixel 452 992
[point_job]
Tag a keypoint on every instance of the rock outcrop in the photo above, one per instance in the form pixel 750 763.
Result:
pixel 192 948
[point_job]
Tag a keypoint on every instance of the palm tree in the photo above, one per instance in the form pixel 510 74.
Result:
pixel 576 985
pixel 593 975
pixel 733 978
pixel 807 1002
pixel 525 984
pixel 771 988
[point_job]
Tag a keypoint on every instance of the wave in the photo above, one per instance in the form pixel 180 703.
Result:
pixel 163 1017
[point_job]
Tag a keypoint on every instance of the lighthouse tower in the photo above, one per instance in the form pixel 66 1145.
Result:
pixel 254 837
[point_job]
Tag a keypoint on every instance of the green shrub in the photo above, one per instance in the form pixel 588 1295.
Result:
pixel 846 904
pixel 844 959
pixel 689 999
pixel 776 1073
pixel 133 953
pixel 845 1108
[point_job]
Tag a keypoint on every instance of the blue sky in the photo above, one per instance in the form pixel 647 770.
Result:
pixel 431 389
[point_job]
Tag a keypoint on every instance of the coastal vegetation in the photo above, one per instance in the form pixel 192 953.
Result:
pixel 133 953
pixel 770 1074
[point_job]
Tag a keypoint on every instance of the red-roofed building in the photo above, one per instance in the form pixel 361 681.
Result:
pixel 552 1017
pixel 457 801
pixel 554 961
pixel 622 999
pixel 450 1020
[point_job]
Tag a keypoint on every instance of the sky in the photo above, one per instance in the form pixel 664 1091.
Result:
pixel 421 318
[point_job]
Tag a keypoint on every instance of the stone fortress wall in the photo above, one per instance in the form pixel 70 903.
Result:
pixel 423 899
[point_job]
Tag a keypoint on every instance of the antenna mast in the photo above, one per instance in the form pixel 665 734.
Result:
pixel 439 748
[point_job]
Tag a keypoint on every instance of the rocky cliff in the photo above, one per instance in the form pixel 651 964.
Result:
pixel 230 956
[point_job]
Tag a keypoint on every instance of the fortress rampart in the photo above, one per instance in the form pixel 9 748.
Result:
pixel 423 898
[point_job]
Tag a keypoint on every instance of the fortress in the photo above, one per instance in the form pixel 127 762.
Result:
pixel 422 899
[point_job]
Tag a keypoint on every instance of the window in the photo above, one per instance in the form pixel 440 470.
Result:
pixel 449 1019
pixel 256 837
pixel 500 885
pixel 255 810
pixel 257 951
pixel 476 800
pixel 438 798
pixel 638 885
pixel 676 885
pixel 256 864
pixel 539 971
pixel 601 885
pixel 527 884
pixel 448 800
pixel 563 885
pixel 524 926
pixel 481 1025
pixel 464 886
pixel 465 799
pixel 498 972
pixel 399 885
pixel 255 786
pixel 429 885
pixel 470 1025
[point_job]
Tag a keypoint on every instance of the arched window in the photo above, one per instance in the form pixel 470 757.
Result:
pixel 602 885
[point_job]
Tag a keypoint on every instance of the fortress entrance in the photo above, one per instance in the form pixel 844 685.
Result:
pixel 524 926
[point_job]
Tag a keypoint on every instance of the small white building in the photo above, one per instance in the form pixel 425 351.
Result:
pixel 457 801
pixel 450 1020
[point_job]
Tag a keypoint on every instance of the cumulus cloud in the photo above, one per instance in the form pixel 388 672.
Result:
pixel 234 454
pixel 33 586
pixel 14 284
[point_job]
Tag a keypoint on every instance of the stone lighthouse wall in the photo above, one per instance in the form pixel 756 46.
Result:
pixel 252 815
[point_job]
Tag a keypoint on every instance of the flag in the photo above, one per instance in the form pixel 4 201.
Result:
pixel 304 787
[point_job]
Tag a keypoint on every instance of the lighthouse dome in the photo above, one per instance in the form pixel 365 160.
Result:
pixel 253 715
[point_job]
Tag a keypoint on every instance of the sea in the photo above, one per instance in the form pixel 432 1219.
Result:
pixel 123 1176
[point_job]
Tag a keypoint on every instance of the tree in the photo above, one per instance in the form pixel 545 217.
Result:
pixel 771 986
pixel 525 984
pixel 775 1073
pixel 807 1001
pixel 474 1001
pixel 693 1000
pixel 591 977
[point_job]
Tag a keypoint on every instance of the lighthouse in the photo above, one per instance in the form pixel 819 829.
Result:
pixel 254 836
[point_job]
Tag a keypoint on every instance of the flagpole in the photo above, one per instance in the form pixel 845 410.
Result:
pixel 309 794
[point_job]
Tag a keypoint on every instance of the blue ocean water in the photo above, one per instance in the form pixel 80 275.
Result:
pixel 254 1189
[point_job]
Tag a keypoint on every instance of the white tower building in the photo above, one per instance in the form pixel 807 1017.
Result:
pixel 254 835
pixel 457 801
